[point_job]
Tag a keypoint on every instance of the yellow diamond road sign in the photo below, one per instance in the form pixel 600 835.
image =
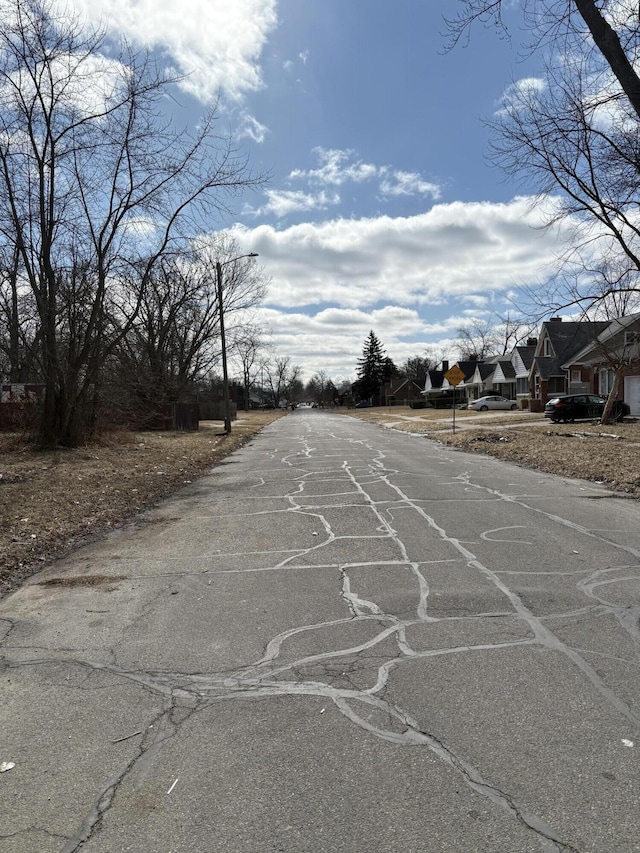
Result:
pixel 454 375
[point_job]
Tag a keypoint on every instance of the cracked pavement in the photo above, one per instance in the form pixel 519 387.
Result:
pixel 344 638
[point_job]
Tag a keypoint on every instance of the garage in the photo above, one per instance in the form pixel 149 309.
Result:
pixel 632 394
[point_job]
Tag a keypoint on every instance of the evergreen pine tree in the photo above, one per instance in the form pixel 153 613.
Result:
pixel 372 367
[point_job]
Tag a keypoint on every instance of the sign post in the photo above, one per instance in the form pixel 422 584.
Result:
pixel 454 377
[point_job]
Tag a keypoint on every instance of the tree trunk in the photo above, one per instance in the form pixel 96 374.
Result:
pixel 607 415
pixel 608 43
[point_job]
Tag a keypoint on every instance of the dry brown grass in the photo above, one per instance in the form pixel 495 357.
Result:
pixel 585 450
pixel 52 501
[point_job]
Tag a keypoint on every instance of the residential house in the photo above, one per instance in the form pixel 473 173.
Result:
pixel 435 382
pixel 508 375
pixel 558 342
pixel 504 379
pixel 400 391
pixel 481 382
pixel 439 392
pixel 617 344
pixel 522 361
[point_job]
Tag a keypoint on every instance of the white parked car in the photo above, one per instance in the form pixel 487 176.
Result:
pixel 495 402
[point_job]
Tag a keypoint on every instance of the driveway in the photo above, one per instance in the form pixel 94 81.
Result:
pixel 344 638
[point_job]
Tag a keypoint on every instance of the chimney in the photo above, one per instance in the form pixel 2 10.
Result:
pixel 555 319
pixel 445 366
pixel 532 342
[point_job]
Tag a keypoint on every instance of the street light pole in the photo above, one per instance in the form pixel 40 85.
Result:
pixel 223 343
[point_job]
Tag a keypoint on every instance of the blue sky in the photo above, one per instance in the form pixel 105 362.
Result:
pixel 381 211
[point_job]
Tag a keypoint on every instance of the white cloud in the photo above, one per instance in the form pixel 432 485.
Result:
pixel 338 167
pixel 408 183
pixel 519 94
pixel 452 250
pixel 217 43
pixel 413 280
pixel 249 127
pixel 280 203
pixel 91 83
pixel 332 340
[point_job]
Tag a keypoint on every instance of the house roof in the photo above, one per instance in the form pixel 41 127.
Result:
pixel 434 380
pixel 481 373
pixel 606 338
pixel 468 368
pixel 526 354
pixel 569 338
pixel 485 370
pixel 507 369
pixel 547 366
pixel 401 382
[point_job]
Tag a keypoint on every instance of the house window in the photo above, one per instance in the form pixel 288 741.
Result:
pixel 522 385
pixel 605 382
pixel 576 375
pixel 556 385
pixel 546 347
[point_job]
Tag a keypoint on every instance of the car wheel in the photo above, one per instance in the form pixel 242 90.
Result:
pixel 514 406
pixel 483 408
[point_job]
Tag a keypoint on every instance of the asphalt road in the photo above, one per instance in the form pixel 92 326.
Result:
pixel 345 638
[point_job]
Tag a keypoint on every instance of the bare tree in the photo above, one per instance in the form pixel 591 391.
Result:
pixel 281 377
pixel 18 326
pixel 97 187
pixel 248 347
pixel 316 386
pixel 417 367
pixel 174 340
pixel 477 340
pixel 564 21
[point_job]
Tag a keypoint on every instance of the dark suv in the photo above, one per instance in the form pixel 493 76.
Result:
pixel 575 407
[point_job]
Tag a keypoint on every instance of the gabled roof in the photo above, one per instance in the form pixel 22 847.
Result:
pixel 401 382
pixel 486 370
pixel 468 368
pixel 480 375
pixel 569 338
pixel 526 354
pixel 547 366
pixel 606 338
pixel 507 370
pixel 435 381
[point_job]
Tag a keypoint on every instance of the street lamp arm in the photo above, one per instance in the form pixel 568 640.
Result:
pixel 233 260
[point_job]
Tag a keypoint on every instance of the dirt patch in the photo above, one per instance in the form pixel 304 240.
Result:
pixel 88 580
pixel 53 501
